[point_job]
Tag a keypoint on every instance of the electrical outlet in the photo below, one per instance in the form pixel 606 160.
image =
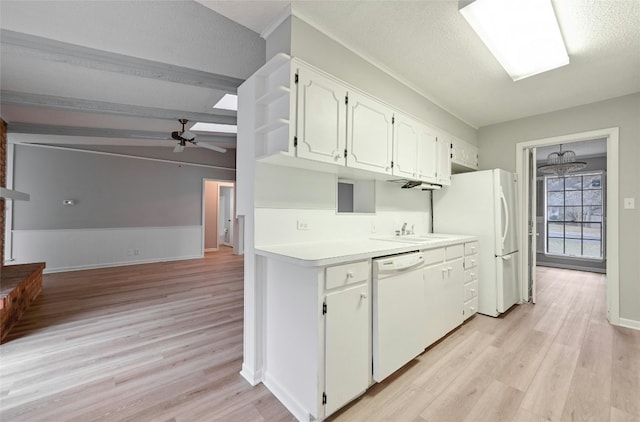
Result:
pixel 302 225
pixel 629 203
pixel 129 252
pixel 136 252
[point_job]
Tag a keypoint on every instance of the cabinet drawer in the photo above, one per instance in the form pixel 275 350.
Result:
pixel 455 251
pixel 470 275
pixel 433 256
pixel 471 248
pixel 470 307
pixel 342 275
pixel 470 262
pixel 470 290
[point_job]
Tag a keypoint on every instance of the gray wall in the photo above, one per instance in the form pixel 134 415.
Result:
pixel 110 191
pixel 497 149
pixel 312 46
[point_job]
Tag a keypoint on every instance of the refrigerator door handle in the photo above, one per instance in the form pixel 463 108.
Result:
pixel 506 217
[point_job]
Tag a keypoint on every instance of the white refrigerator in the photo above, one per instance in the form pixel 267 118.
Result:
pixel 483 203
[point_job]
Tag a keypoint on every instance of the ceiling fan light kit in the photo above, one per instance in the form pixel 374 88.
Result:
pixel 183 136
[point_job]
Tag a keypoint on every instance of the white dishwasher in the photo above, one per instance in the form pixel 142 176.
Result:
pixel 398 312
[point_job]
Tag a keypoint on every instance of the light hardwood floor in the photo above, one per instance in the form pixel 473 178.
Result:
pixel 163 342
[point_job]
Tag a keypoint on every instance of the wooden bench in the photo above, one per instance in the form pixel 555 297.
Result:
pixel 19 287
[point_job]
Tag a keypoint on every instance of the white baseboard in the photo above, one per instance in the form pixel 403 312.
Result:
pixel 571 267
pixel 118 264
pixel 79 249
pixel 296 409
pixel 630 323
pixel 254 378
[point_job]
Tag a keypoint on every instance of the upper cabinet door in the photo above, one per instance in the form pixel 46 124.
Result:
pixel 427 155
pixel 370 134
pixel 444 161
pixel 321 122
pixel 405 145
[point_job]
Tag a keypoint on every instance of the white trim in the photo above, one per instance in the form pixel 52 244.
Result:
pixel 612 231
pixel 253 377
pixel 115 154
pixel 570 267
pixel 287 399
pixel 630 323
pixel 282 16
pixel 119 264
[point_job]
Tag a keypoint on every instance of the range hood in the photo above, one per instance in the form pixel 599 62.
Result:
pixel 410 184
pixel 13 195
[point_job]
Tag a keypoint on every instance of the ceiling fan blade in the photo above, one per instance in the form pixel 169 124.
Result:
pixel 211 147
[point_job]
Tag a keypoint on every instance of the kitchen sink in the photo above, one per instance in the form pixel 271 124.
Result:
pixel 413 238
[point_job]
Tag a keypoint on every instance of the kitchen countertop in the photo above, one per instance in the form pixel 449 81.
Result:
pixel 322 253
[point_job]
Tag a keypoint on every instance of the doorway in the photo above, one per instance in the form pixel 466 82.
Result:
pixel 218 215
pixel 526 171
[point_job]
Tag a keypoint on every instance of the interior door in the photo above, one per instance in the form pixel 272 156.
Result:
pixel 533 230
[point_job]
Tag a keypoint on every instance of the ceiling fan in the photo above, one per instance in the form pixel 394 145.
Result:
pixel 183 136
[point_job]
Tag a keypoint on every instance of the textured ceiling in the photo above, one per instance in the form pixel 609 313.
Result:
pixel 429 46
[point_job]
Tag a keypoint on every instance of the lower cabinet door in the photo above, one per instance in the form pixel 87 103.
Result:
pixel 443 299
pixel 347 345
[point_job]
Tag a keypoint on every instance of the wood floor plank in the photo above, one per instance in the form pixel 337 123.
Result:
pixel 547 393
pixel 163 342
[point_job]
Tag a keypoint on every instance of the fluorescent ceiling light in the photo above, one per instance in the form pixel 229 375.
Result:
pixel 228 102
pixel 214 127
pixel 523 35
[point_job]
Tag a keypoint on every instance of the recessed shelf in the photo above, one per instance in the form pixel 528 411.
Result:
pixel 279 91
pixel 276 124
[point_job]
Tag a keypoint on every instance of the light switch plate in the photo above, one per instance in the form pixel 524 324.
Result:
pixel 302 225
pixel 629 203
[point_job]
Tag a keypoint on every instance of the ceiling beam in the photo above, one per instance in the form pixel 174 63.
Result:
pixel 78 105
pixel 91 132
pixel 92 58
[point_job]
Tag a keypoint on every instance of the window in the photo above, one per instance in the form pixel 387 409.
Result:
pixel 574 215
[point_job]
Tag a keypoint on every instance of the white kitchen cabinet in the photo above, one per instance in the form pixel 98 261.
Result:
pixel 370 134
pixel 464 156
pixel 317 335
pixel 414 149
pixel 444 161
pixel 470 297
pixel 347 345
pixel 443 281
pixel 322 117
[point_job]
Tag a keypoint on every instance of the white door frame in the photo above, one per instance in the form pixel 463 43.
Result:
pixel 203 208
pixel 612 217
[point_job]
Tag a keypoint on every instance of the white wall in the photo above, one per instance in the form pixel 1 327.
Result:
pixel 316 48
pixel 285 195
pixel 127 209
pixel 497 149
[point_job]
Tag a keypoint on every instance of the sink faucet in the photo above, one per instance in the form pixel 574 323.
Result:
pixel 404 229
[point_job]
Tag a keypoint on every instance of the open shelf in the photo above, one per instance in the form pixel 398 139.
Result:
pixel 278 92
pixel 271 126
